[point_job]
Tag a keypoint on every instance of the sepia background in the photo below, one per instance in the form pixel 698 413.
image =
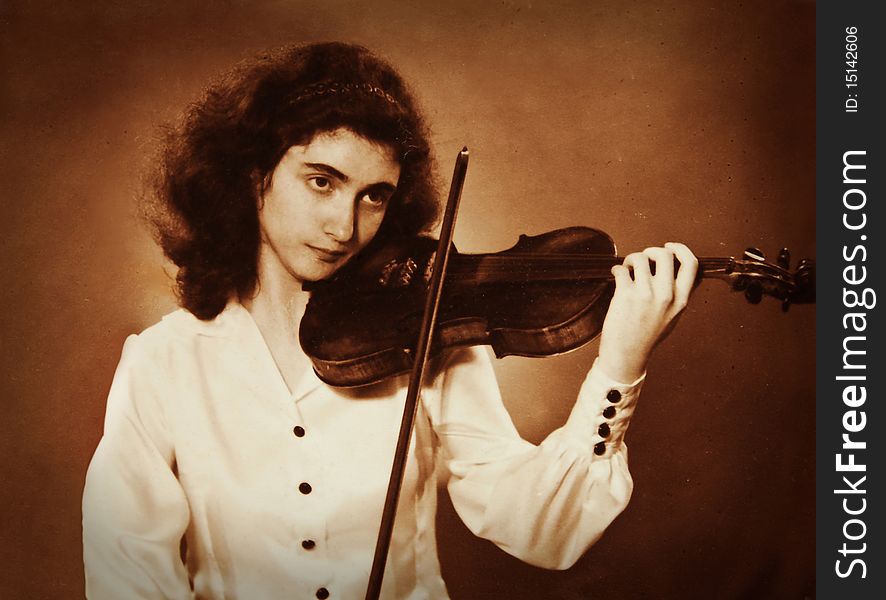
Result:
pixel 653 121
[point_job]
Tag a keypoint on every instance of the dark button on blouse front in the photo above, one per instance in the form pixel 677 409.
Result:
pixel 308 544
pixel 603 430
pixel 609 412
pixel 600 448
pixel 299 431
pixel 322 593
pixel 613 396
pixel 304 487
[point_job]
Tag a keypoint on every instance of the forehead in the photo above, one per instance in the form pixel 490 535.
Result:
pixel 351 154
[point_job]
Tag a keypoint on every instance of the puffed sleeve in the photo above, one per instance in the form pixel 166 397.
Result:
pixel 134 510
pixel 544 504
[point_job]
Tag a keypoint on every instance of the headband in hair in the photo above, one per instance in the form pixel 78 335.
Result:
pixel 333 88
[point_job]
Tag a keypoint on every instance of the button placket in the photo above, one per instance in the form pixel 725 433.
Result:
pixel 309 486
pixel 303 446
pixel 303 457
pixel 309 511
pixel 604 429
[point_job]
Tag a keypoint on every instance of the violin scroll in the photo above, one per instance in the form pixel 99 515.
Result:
pixel 757 277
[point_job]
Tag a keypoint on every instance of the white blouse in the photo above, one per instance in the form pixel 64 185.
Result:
pixel 279 493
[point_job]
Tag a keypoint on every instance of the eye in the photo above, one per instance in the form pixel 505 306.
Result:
pixel 320 183
pixel 376 198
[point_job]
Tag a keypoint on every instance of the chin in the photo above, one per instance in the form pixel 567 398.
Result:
pixel 318 272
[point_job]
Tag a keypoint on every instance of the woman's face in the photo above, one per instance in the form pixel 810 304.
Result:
pixel 325 202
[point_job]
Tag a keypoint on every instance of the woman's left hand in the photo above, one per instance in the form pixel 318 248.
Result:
pixel 644 308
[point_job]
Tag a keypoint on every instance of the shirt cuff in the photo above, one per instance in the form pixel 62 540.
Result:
pixel 602 413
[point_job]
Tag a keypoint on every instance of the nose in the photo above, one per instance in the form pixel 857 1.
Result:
pixel 340 219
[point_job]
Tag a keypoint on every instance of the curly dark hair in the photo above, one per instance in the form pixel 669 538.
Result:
pixel 216 164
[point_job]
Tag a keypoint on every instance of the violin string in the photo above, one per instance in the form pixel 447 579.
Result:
pixel 580 258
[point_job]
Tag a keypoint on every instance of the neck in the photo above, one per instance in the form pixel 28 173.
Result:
pixel 279 300
pixel 277 307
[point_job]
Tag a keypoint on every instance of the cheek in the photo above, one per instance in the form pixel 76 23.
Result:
pixel 278 227
pixel 369 226
pixel 284 213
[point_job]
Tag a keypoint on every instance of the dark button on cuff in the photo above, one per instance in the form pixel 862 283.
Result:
pixel 600 448
pixel 613 396
pixel 299 431
pixel 304 488
pixel 308 544
pixel 609 412
pixel 322 593
pixel 603 430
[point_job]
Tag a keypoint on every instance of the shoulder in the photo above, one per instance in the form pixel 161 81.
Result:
pixel 180 334
pixel 466 355
pixel 168 362
pixel 183 325
pixel 465 364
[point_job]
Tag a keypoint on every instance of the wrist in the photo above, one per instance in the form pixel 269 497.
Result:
pixel 623 369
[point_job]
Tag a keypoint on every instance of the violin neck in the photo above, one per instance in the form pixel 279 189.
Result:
pixel 708 266
pixel 497 268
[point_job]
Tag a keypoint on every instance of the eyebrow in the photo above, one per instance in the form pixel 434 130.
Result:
pixel 331 171
pixel 382 186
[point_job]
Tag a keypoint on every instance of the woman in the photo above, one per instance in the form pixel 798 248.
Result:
pixel 227 469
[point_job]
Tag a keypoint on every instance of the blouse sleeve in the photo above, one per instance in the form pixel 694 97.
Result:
pixel 134 510
pixel 544 504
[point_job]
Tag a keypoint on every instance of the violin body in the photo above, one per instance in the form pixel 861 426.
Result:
pixel 360 326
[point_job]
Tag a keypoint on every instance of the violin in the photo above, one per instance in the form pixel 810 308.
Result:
pixel 546 295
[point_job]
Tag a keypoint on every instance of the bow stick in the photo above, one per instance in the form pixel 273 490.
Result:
pixel 425 337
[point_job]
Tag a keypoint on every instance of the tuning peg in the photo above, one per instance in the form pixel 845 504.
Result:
pixel 784 259
pixel 754 293
pixel 754 254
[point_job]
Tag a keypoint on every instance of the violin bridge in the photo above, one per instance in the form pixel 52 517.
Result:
pixel 397 273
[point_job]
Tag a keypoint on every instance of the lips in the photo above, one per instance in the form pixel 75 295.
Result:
pixel 328 255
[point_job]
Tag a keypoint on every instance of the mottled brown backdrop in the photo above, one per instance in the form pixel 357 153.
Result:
pixel 689 121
